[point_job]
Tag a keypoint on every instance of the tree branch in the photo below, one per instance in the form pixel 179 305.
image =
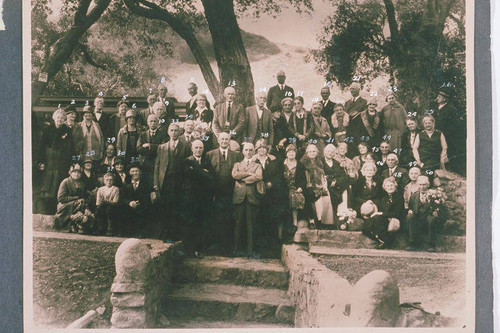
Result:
pixel 96 12
pixel 85 51
pixel 391 18
pixel 81 12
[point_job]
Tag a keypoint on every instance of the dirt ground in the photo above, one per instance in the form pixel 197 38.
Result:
pixel 438 284
pixel 71 278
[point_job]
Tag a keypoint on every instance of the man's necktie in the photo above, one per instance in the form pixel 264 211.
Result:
pixel 228 111
pixel 224 155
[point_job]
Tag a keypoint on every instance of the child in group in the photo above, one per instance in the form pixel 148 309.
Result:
pixel 107 206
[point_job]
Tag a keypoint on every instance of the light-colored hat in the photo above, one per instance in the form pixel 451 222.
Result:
pixel 130 113
pixel 87 109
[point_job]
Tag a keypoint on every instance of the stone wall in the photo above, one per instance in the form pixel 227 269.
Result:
pixel 143 275
pixel 455 188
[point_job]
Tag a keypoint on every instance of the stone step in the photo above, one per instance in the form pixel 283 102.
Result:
pixel 223 302
pixel 222 324
pixel 356 240
pixel 266 273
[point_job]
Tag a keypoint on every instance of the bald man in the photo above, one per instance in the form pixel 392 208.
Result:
pixel 259 121
pixel 229 117
pixel 357 103
pixel 278 92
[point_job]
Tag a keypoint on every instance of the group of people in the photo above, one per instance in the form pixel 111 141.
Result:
pixel 236 179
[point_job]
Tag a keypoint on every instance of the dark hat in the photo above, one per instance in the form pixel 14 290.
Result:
pixel 70 108
pixel 75 167
pixel 88 109
pixel 134 165
pixel 119 160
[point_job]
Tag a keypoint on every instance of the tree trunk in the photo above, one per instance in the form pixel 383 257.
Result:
pixel 232 60
pixel 153 11
pixel 65 47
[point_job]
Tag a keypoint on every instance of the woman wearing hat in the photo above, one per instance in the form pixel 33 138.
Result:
pixel 72 211
pixel 54 159
pixel 126 141
pixel 71 116
pixel 294 173
pixel 301 124
pixel 118 120
pixel 394 121
pixel 89 140
pixel 366 127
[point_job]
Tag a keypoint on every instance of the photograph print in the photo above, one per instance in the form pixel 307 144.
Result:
pixel 249 164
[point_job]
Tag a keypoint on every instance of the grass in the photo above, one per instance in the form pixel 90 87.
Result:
pixel 71 278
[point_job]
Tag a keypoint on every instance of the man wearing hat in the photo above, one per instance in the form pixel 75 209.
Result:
pixel 89 140
pixel 70 115
pixel 278 92
pixel 136 200
pixel 453 125
pixel 126 142
pixel 259 121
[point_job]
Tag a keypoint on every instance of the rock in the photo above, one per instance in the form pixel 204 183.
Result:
pixel 285 314
pixel 375 300
pixel 128 317
pixel 131 300
pixel 411 317
pixel 131 260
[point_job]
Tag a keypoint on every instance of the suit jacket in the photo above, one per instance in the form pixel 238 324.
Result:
pixel 276 95
pixel 354 108
pixel 142 116
pixel 104 123
pixel 142 193
pixel 327 112
pixel 419 209
pixel 244 187
pixel 162 163
pixel 118 180
pixel 361 193
pixel 406 155
pixel 252 119
pixel 401 175
pixel 170 106
pixel 197 178
pixel 214 156
pixel 191 108
pixel 149 153
pixel 236 120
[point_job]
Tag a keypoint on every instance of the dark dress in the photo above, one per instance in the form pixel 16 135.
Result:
pixel 430 150
pixel 362 193
pixel 336 173
pixel 56 147
pixel 70 200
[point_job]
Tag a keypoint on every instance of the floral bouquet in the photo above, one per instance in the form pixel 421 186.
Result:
pixel 347 219
pixel 436 198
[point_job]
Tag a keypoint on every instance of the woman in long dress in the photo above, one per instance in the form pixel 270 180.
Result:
pixel 318 195
pixel 294 174
pixel 54 159
pixel 394 120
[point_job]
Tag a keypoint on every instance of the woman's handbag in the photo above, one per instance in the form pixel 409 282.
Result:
pixel 260 189
pixel 394 225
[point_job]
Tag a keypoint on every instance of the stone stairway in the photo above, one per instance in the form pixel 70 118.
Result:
pixel 220 292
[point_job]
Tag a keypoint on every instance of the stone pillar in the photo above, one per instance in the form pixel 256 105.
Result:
pixel 128 292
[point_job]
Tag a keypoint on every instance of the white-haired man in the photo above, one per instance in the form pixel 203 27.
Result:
pixel 278 92
pixel 259 121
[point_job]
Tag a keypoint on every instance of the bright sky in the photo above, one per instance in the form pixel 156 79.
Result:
pixel 290 27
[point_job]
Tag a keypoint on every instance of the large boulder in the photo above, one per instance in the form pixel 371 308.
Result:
pixel 375 300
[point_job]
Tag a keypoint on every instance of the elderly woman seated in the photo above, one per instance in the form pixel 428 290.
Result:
pixel 367 187
pixel 72 205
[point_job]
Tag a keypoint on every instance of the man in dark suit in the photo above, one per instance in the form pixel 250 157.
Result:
pixel 221 162
pixel 142 118
pixel 259 121
pixel 102 118
pixel 167 181
pixel 167 101
pixel 453 125
pixel 393 170
pixel 229 116
pixel 135 197
pixel 197 199
pixel 245 198
pixel 278 92
pixel 356 104
pixel 147 146
pixel 328 106
pixel 187 136
pixel 423 221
